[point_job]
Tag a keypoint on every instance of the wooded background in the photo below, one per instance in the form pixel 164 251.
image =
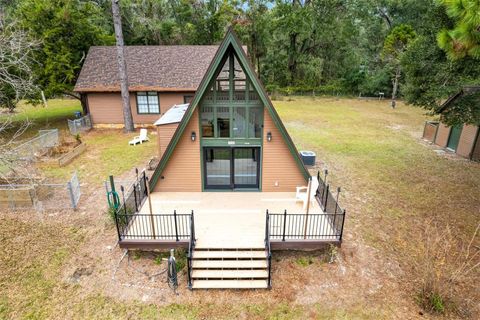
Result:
pixel 427 49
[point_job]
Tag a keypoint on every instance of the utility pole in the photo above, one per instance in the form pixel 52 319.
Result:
pixel 122 68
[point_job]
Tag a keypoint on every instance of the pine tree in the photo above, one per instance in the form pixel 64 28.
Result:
pixel 464 39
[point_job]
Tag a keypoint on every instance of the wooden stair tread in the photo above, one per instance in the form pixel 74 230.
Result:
pixel 234 264
pixel 254 245
pixel 230 284
pixel 222 254
pixel 230 274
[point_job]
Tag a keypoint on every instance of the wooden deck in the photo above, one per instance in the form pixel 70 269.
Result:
pixel 227 219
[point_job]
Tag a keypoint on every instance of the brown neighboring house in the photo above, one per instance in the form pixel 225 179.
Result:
pixel 464 139
pixel 159 77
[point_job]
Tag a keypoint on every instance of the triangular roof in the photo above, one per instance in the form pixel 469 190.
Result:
pixel 229 40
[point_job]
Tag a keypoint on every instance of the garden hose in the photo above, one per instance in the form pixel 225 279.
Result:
pixel 113 200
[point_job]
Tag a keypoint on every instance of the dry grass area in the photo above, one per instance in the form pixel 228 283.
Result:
pixel 66 265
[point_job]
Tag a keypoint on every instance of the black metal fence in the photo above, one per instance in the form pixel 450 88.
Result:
pixel 134 196
pixel 191 249
pixel 268 249
pixel 326 200
pixel 324 226
pixel 147 226
pixel 138 226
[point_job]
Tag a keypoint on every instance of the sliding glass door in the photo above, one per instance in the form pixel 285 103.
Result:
pixel 231 168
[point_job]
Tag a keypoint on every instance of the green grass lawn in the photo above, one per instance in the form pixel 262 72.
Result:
pixel 40 117
pixel 108 152
pixel 392 184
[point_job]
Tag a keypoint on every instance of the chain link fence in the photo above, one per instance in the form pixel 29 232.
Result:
pixel 34 148
pixel 41 196
pixel 80 125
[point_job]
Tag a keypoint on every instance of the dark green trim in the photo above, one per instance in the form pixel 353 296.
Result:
pixel 229 40
pixel 228 142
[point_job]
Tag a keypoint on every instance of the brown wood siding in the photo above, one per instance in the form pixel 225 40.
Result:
pixel 467 140
pixel 168 100
pixel 442 135
pixel 280 171
pixel 183 172
pixel 165 133
pixel 106 108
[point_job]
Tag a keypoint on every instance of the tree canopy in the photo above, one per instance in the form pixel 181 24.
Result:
pixel 425 49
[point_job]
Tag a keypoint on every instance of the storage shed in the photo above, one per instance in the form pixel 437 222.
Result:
pixel 464 139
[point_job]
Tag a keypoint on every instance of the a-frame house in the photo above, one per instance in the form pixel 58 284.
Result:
pixel 230 137
pixel 230 186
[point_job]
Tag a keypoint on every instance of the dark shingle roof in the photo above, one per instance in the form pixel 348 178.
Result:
pixel 156 68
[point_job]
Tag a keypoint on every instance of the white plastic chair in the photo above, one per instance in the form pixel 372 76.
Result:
pixel 141 138
pixel 302 192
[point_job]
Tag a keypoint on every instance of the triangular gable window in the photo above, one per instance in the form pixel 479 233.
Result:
pixel 231 107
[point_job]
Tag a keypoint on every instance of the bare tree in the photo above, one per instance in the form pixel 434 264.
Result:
pixel 11 165
pixel 122 69
pixel 16 80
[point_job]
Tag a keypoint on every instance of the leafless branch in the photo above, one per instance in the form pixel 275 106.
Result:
pixel 16 76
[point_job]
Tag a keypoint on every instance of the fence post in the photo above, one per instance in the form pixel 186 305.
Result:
pixel 72 197
pixel 116 224
pixel 112 188
pixel 175 219
pixel 343 223
pixel 135 196
pixel 336 207
pixel 145 182
pixel 326 197
pixel 123 197
pixel 192 227
pixel 284 224
pixel 152 221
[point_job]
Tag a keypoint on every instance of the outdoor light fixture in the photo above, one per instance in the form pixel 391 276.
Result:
pixel 193 136
pixel 269 136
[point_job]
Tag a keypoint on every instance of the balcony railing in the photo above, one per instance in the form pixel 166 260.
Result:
pixel 136 226
pixel 290 226
pixel 326 226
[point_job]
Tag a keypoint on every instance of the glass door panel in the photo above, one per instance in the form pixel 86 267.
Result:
pixel 246 167
pixel 218 168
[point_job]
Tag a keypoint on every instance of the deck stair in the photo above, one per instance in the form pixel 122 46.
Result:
pixel 229 268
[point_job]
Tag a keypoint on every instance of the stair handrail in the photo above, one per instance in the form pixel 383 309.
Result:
pixel 191 248
pixel 268 249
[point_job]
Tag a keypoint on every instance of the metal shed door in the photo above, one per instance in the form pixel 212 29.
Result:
pixel 454 137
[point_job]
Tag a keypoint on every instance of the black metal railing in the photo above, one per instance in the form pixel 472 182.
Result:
pixel 133 197
pixel 324 226
pixel 191 249
pixel 268 249
pixel 147 226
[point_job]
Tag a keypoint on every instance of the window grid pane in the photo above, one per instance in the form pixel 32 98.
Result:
pixel 147 102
